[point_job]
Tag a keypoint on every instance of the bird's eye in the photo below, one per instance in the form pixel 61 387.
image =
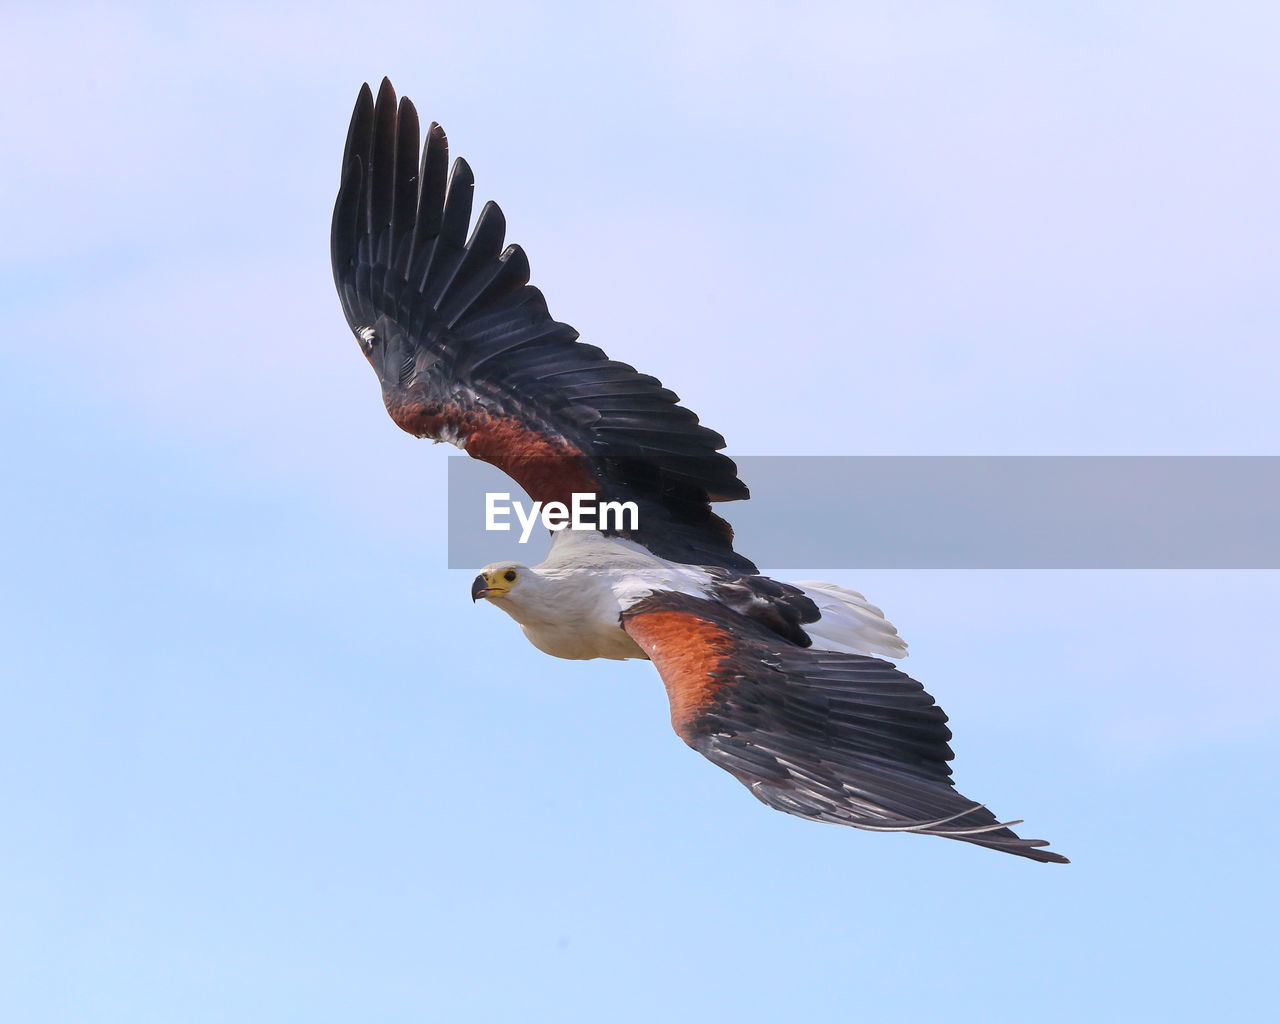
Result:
pixel 509 575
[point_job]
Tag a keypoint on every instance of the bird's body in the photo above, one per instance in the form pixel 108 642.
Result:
pixel 572 604
pixel 783 685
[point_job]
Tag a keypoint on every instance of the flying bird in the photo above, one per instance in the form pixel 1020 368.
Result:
pixel 787 686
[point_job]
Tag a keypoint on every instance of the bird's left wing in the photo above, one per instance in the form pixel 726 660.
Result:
pixel 839 738
pixel 467 352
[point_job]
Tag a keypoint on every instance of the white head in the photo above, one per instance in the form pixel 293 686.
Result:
pixel 502 582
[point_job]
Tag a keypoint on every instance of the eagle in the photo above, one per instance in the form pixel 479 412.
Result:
pixel 787 686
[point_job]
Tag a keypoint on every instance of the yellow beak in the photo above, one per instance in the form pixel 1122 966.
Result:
pixel 484 586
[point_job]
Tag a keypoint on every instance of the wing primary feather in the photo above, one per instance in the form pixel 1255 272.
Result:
pixel 360 130
pixel 432 182
pixel 469 278
pixel 381 192
pixel 451 239
pixel 405 196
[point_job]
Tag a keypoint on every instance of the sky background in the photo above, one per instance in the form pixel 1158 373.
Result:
pixel 261 759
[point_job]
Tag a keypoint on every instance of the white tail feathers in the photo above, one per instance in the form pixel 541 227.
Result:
pixel 850 624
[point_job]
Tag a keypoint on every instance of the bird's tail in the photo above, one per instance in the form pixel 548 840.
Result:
pixel 850 624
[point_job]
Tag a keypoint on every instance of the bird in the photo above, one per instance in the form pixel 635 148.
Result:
pixel 790 687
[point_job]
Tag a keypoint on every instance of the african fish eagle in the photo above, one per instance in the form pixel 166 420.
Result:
pixel 784 685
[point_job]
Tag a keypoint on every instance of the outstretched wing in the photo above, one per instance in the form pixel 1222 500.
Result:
pixel 467 352
pixel 831 737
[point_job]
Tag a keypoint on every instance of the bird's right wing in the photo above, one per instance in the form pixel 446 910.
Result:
pixel 467 352
pixel 839 738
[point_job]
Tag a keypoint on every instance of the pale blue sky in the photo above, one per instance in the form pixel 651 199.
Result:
pixel 262 760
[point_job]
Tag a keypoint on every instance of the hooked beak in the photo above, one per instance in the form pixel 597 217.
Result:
pixel 479 588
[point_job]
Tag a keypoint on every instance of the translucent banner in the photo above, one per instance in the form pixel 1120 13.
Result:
pixel 942 512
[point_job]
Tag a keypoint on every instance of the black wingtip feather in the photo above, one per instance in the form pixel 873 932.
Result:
pixel 405 174
pixel 459 194
pixel 361 126
pixel 381 192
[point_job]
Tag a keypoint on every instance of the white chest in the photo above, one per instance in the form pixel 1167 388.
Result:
pixel 579 593
pixel 579 621
pixel 577 643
